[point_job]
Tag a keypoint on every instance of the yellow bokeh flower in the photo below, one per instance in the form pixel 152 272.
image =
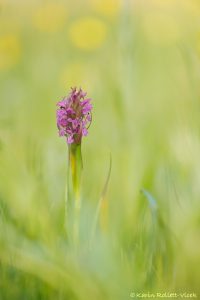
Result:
pixel 50 17
pixel 109 8
pixel 9 51
pixel 88 33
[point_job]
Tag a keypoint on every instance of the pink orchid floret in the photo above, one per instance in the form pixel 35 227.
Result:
pixel 74 116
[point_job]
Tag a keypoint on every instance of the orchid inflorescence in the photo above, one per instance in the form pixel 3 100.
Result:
pixel 74 116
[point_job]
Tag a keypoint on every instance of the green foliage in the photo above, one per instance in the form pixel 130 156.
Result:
pixel 141 67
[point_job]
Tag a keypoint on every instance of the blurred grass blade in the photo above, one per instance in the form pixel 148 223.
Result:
pixel 101 210
pixel 151 200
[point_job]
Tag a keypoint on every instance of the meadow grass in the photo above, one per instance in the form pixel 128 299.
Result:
pixel 139 63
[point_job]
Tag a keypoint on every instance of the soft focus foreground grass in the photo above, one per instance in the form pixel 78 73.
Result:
pixel 139 61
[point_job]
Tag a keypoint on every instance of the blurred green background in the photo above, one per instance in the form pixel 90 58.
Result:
pixel 139 60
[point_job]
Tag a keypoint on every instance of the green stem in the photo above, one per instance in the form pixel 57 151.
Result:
pixel 74 191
